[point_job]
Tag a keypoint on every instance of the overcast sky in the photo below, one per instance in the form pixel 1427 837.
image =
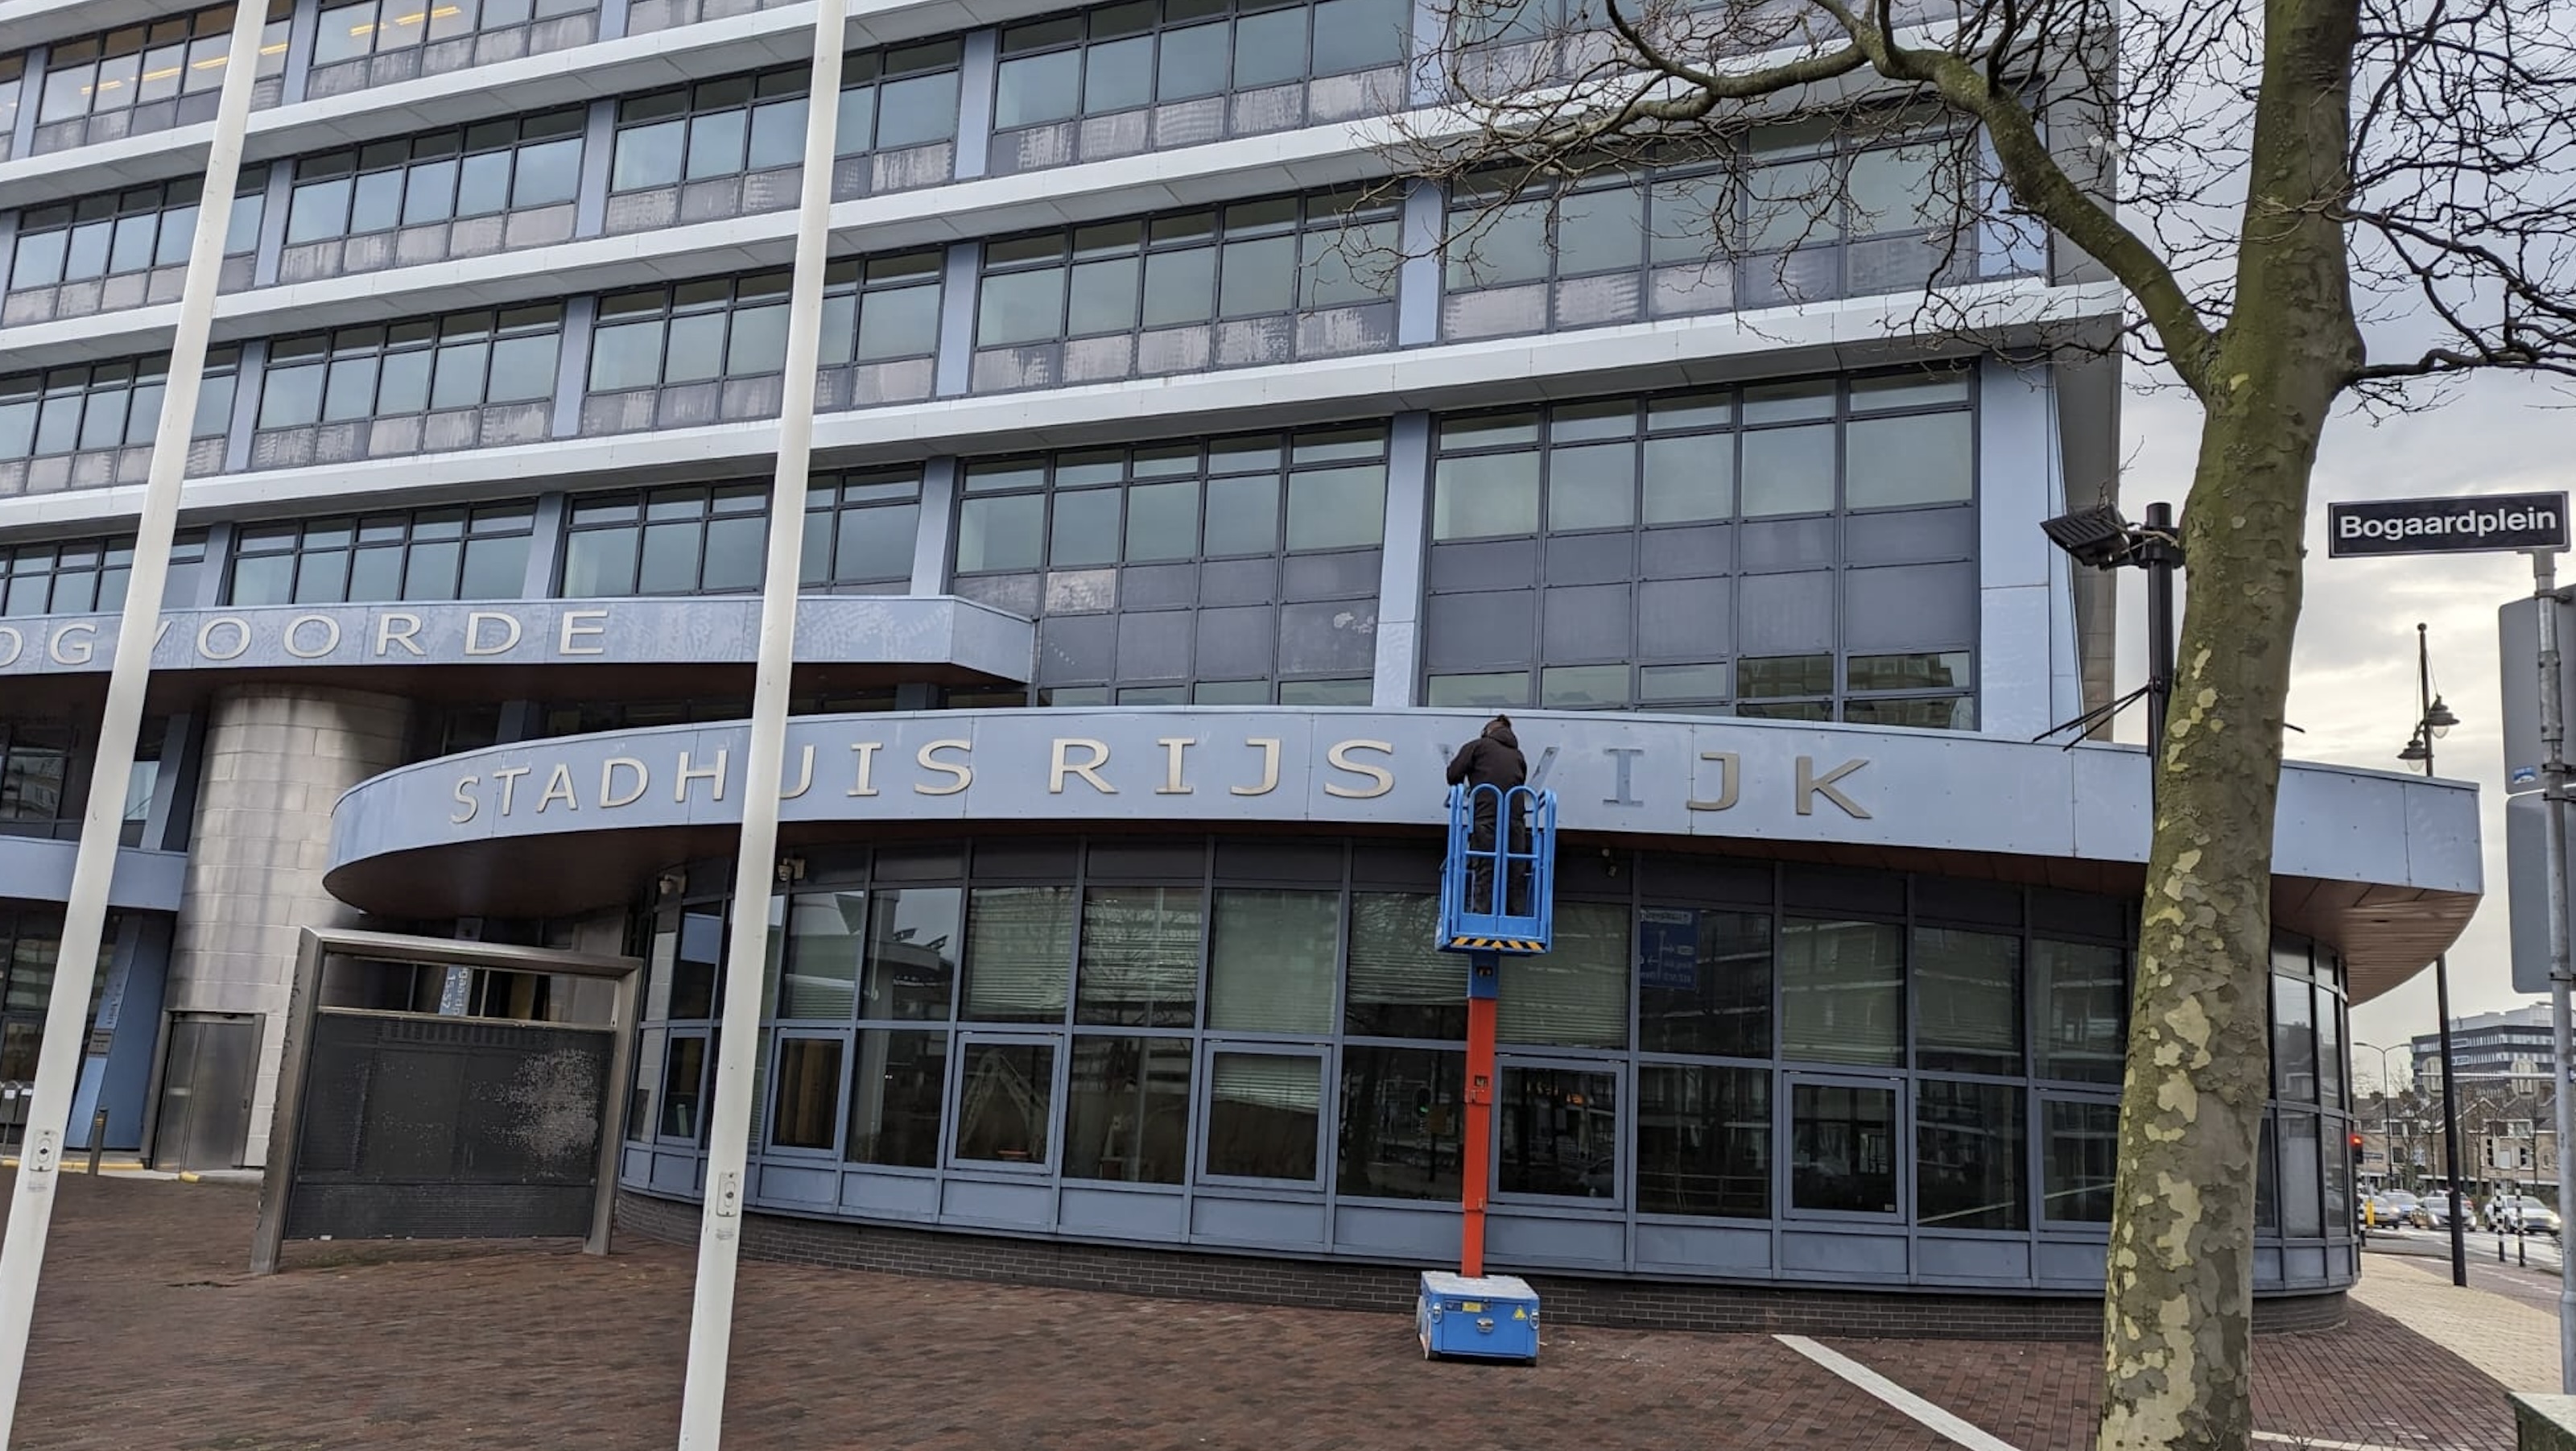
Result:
pixel 2352 687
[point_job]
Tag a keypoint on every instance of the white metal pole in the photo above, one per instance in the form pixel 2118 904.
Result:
pixel 746 952
pixel 31 1204
pixel 2553 806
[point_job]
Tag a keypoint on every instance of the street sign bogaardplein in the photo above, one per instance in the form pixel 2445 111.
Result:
pixel 2446 526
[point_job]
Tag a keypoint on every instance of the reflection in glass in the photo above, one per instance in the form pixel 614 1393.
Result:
pixel 683 1075
pixel 900 1081
pixel 1005 1099
pixel 1968 1156
pixel 2267 1181
pixel 2084 1010
pixel 823 940
pixel 1559 1133
pixel 808 1093
pixel 1401 1116
pixel 1576 993
pixel 1704 982
pixel 1400 985
pixel 2302 1184
pixel 912 953
pixel 1127 1111
pixel 1140 957
pixel 1842 992
pixel 1703 1140
pixel 1842 1148
pixel 1270 960
pixel 1263 1111
pixel 2294 1043
pixel 1019 951
pixel 1967 1002
pixel 2083 1161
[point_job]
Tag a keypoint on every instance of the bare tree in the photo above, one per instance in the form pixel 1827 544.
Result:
pixel 2260 180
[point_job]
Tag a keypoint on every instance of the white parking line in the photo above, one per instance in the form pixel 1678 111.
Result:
pixel 1895 1395
pixel 1965 1434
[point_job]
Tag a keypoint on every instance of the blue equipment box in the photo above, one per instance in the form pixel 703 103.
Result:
pixel 1492 1317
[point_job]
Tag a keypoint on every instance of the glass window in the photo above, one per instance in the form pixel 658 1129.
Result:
pixel 1576 993
pixel 1019 954
pixel 1703 1140
pixel 1400 985
pixel 1968 1156
pixel 2083 1160
pixel 2329 1048
pixel 896 1090
pixel 1006 1100
pixel 825 931
pixel 683 1078
pixel 1140 956
pixel 1704 982
pixel 1559 1133
pixel 1271 958
pixel 1842 992
pixel 1127 1112
pixel 2084 1010
pixel 2294 1042
pixel 1789 470
pixel 1264 1111
pixel 1920 459
pixel 1967 1002
pixel 1842 1141
pixel 806 1098
pixel 912 952
pixel 1402 1112
pixel 2302 1176
pixel 2267 1181
pixel 1481 496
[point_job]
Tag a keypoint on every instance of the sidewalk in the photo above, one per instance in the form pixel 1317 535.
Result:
pixel 149 1333
pixel 2513 1343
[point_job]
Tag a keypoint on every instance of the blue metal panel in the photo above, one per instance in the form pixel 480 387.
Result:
pixel 1825 1254
pixel 572 365
pixel 978 73
pixel 1703 1248
pixel 1974 1261
pixel 1029 1205
pixel 802 1185
pixel 1534 1240
pixel 1122 1213
pixel 1475 906
pixel 1268 1223
pixel 1427 1232
pixel 2061 1262
pixel 890 1196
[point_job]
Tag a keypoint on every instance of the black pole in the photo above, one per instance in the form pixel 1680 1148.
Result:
pixel 2442 984
pixel 2163 553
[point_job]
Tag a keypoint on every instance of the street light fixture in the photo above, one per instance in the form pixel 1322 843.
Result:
pixel 2433 720
pixel 2099 538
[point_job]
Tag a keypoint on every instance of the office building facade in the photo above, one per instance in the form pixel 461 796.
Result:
pixel 1176 506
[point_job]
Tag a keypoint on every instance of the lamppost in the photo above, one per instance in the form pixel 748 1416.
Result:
pixel 2387 1111
pixel 2433 720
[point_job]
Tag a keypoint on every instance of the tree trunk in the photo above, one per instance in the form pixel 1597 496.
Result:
pixel 2177 1312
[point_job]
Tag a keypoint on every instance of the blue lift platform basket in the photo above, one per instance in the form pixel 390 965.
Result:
pixel 1497 897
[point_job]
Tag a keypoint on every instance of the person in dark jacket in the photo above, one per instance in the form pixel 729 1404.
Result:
pixel 1493 759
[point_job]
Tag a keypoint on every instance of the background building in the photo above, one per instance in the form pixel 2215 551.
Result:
pixel 2510 1048
pixel 1139 402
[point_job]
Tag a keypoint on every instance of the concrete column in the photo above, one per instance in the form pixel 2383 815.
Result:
pixel 277 757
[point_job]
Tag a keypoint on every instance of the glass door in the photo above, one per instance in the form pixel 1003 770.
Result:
pixel 1844 1132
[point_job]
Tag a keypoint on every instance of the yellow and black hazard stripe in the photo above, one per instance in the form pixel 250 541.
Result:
pixel 1498 944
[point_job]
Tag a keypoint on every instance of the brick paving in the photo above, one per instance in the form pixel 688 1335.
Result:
pixel 149 1333
pixel 2372 1383
pixel 2511 1341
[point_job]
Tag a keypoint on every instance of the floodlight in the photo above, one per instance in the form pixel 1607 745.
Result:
pixel 2097 536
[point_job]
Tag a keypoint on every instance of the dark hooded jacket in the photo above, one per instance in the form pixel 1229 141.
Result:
pixel 1491 759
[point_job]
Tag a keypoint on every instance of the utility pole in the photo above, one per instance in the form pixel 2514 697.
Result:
pixel 31 1204
pixel 2553 800
pixel 702 1394
pixel 2424 729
